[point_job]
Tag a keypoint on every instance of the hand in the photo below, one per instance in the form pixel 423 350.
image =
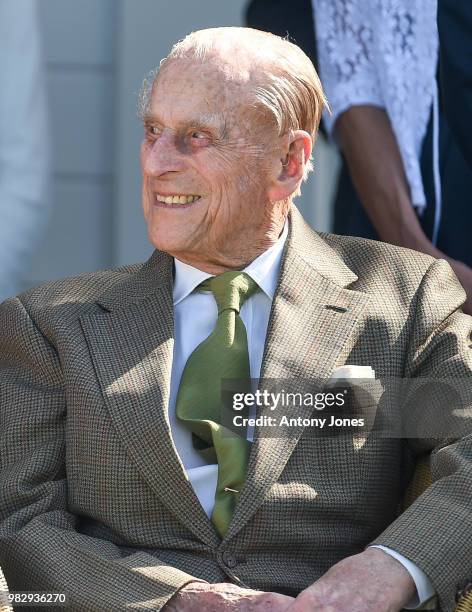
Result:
pixel 224 596
pixel 464 274
pixel 372 581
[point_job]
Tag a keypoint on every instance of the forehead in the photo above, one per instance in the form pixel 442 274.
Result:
pixel 187 90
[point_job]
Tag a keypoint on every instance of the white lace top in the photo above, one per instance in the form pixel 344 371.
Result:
pixel 384 53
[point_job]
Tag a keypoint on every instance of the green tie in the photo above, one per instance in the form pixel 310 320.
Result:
pixel 223 355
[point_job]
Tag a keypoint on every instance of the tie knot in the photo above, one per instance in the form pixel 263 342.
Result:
pixel 230 289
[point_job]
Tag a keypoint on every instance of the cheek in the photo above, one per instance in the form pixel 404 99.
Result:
pixel 251 177
pixel 244 161
pixel 231 166
pixel 143 153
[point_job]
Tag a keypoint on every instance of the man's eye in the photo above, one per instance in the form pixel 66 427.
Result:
pixel 153 130
pixel 199 139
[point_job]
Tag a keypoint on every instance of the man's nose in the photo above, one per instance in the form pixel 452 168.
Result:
pixel 163 156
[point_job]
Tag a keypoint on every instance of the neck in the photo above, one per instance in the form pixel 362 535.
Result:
pixel 237 258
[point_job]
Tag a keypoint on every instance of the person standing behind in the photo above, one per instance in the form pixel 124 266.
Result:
pixel 403 178
pixel 378 63
pixel 24 141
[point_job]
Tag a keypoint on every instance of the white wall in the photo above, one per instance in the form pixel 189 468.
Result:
pixel 79 45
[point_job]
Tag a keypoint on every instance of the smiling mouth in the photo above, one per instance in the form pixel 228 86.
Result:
pixel 176 200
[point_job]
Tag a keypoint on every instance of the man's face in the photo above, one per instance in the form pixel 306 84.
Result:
pixel 206 165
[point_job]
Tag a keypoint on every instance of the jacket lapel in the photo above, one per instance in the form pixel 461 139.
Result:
pixel 312 317
pixel 131 343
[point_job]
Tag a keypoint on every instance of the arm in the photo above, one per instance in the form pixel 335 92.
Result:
pixel 382 156
pixel 41 548
pixel 375 165
pixel 225 597
pixel 424 590
pixel 434 533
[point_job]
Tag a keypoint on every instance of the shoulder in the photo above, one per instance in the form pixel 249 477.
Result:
pixel 379 264
pixel 76 295
pixel 400 277
pixel 401 281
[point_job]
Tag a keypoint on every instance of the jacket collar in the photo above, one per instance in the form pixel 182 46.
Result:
pixel 157 272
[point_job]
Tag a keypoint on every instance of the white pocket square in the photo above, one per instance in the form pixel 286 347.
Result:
pixel 346 372
pixel 351 374
pixel 368 393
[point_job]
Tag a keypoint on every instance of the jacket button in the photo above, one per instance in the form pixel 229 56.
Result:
pixel 229 559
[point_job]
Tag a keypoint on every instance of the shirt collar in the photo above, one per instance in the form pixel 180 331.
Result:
pixel 264 270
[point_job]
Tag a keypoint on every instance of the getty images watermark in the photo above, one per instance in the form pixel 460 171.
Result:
pixel 386 407
pixel 273 401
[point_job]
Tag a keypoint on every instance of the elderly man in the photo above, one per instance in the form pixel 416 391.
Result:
pixel 119 485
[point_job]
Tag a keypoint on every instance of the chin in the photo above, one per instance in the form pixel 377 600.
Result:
pixel 165 240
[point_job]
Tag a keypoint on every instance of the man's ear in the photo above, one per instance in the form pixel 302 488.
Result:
pixel 292 167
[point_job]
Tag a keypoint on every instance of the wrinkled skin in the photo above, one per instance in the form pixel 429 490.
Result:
pixel 371 581
pixel 204 137
pixel 227 597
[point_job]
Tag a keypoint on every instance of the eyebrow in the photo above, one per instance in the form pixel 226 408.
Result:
pixel 209 121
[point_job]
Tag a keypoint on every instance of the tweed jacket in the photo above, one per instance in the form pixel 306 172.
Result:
pixel 94 500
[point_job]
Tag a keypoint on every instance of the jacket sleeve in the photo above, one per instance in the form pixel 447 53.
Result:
pixel 435 532
pixel 40 546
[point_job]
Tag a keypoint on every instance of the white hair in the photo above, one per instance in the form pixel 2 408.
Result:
pixel 285 81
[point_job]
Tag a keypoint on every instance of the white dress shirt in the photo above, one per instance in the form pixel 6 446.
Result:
pixel 195 316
